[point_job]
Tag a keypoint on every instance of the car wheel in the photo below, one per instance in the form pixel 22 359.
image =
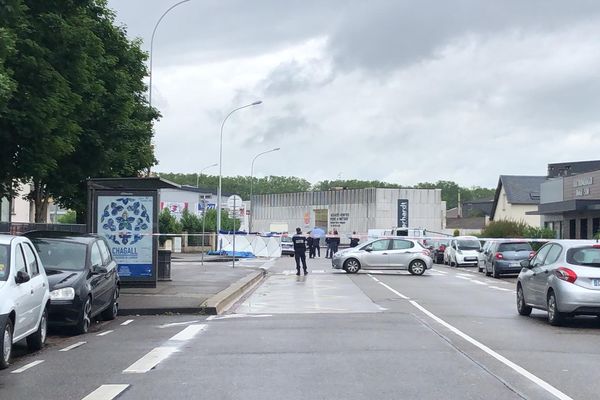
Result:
pixel 495 273
pixel 351 266
pixel 83 326
pixel 6 344
pixel 487 272
pixel 479 269
pixel 522 308
pixel 113 309
pixel 555 317
pixel 417 267
pixel 36 340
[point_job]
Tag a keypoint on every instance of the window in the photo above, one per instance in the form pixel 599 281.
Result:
pixel 20 260
pixel 595 226
pixel 540 256
pixel 61 255
pixel 469 245
pixel 524 246
pixel 572 228
pixel 587 256
pixel 402 245
pixel 32 261
pixel 583 228
pixel 553 254
pixel 95 257
pixel 104 252
pixel 379 245
pixel 4 262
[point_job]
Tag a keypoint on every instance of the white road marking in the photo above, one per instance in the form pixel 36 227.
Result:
pixel 478 282
pixel 73 346
pixel 178 324
pixel 106 392
pixel 463 277
pixel 515 367
pixel 391 289
pixel 233 316
pixel 104 333
pixel 499 288
pixel 150 360
pixel 26 367
pixel 189 332
pixel 127 322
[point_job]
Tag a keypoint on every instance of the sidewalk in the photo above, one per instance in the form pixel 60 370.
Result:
pixel 194 289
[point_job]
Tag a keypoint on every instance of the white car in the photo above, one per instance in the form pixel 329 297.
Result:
pixel 24 294
pixel 463 250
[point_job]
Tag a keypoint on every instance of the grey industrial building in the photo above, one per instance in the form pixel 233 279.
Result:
pixel 347 211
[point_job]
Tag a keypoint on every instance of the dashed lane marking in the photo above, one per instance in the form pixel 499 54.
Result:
pixel 189 332
pixel 73 346
pixel 26 367
pixel 105 333
pixel 127 322
pixel 106 392
pixel 179 323
pixel 233 316
pixel 150 360
pixel 499 288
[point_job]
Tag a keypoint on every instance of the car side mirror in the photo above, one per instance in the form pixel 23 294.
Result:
pixel 98 269
pixel 22 277
pixel 480 250
pixel 525 264
pixel 369 249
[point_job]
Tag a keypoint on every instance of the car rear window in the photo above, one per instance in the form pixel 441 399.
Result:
pixel 514 247
pixel 4 253
pixel 469 244
pixel 584 256
pixel 61 255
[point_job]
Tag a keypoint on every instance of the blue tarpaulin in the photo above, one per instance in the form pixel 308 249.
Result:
pixel 238 254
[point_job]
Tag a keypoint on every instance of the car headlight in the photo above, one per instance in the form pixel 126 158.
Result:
pixel 63 294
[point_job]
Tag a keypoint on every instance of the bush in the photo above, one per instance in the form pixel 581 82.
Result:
pixel 167 224
pixel 69 218
pixel 456 233
pixel 515 229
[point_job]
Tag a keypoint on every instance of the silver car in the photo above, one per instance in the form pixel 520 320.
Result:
pixel 404 254
pixel 562 278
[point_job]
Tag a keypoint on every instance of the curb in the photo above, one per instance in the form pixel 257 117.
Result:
pixel 220 302
pixel 215 305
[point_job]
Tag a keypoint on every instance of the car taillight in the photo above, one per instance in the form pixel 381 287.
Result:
pixel 566 274
pixel 499 256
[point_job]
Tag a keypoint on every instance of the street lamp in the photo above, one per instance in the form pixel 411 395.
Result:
pixel 252 181
pixel 201 171
pixel 221 162
pixel 152 46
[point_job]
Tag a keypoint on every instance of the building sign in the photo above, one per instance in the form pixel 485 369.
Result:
pixel 582 186
pixel 402 213
pixel 127 222
pixel 339 219
pixel 175 208
pixel 200 207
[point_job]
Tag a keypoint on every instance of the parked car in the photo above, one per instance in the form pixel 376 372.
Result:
pixel 83 277
pixel 485 248
pixel 437 248
pixel 389 253
pixel 562 278
pixel 463 251
pixel 24 296
pixel 287 246
pixel 504 257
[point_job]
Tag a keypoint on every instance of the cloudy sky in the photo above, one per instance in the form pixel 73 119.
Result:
pixel 400 91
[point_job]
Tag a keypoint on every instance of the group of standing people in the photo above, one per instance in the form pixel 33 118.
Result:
pixel 301 242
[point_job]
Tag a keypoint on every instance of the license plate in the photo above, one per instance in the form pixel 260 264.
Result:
pixel 515 264
pixel 595 282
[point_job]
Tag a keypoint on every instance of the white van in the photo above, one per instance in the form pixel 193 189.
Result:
pixel 463 251
pixel 25 296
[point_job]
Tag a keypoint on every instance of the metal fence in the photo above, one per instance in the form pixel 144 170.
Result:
pixel 18 228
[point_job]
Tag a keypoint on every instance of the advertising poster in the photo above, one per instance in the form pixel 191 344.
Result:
pixel 126 222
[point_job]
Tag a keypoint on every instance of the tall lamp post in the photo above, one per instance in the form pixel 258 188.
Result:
pixel 221 162
pixel 201 171
pixel 252 182
pixel 152 46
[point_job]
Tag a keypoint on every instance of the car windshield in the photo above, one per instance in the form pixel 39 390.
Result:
pixel 524 246
pixel 4 264
pixel 61 255
pixel 468 244
pixel 286 239
pixel 584 256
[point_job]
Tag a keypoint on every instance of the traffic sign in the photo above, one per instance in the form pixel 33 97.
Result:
pixel 234 202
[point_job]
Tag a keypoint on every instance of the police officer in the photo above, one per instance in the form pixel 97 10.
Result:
pixel 300 250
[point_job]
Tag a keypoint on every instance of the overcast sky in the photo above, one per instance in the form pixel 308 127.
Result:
pixel 399 91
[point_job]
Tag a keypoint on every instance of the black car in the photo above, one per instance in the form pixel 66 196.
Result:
pixel 83 278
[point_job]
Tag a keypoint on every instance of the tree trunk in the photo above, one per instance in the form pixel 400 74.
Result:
pixel 40 199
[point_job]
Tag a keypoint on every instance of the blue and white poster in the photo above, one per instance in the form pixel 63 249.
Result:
pixel 126 222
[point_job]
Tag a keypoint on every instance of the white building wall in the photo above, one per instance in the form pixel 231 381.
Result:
pixel 516 212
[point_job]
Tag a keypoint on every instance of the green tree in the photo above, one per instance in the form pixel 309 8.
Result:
pixel 227 223
pixel 167 224
pixel 69 218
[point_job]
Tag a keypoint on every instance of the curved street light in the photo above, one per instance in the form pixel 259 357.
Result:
pixel 221 161
pixel 252 181
pixel 201 171
pixel 152 46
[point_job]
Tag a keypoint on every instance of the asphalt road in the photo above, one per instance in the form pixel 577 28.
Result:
pixel 450 334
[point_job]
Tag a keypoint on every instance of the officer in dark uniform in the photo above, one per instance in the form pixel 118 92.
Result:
pixel 300 250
